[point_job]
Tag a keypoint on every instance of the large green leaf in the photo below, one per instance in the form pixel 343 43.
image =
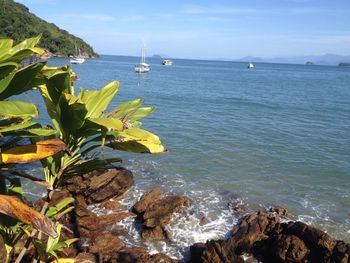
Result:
pixel 73 113
pixel 5 45
pixel 18 109
pixel 19 81
pixel 137 146
pixel 19 126
pixel 126 108
pixel 141 113
pixel 57 81
pixel 140 135
pixel 108 123
pixel 6 68
pixel 97 101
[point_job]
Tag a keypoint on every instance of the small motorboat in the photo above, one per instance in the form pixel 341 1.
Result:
pixel 167 62
pixel 250 66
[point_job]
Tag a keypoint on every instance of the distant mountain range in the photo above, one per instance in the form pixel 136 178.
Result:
pixel 327 59
pixel 17 23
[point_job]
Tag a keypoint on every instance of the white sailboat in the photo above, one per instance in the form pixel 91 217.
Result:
pixel 142 67
pixel 77 59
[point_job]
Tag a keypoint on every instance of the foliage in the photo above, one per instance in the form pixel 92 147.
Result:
pixel 81 123
pixel 16 22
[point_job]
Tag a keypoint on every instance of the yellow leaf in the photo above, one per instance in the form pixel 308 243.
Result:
pixel 14 207
pixel 32 152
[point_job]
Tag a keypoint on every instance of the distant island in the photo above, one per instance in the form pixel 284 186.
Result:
pixel 327 59
pixel 344 64
pixel 309 63
pixel 16 22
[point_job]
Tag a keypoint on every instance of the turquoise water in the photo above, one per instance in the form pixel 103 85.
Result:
pixel 275 135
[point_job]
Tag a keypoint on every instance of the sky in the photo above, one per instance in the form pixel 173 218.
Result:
pixel 206 29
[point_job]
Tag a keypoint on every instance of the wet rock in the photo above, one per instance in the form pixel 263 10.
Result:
pixel 320 243
pixel 98 186
pixel 106 243
pixel 160 212
pixel 341 252
pixel 139 255
pixel 290 249
pixel 203 221
pixel 250 229
pixel 214 252
pixel 155 211
pixel 111 205
pixel 147 199
pixel 156 233
pixel 263 235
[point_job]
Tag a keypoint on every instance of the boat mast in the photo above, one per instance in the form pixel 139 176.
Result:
pixel 143 53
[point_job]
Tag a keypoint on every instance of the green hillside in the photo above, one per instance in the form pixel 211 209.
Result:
pixel 18 23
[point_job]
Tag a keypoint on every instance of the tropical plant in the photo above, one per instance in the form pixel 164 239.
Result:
pixel 81 124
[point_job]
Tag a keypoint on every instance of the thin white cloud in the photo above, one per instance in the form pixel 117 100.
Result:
pixel 90 17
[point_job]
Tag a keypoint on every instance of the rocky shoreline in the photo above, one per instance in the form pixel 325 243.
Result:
pixel 262 236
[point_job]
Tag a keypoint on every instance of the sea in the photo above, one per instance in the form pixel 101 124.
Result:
pixel 277 135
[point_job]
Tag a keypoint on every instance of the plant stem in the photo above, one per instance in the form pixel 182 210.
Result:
pixel 28 242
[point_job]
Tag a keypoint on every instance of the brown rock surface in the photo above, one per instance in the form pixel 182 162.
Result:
pixel 160 212
pixel 263 235
pixel 98 186
pixel 147 199
pixel 106 243
pixel 155 211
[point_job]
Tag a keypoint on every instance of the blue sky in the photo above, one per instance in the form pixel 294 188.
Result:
pixel 205 29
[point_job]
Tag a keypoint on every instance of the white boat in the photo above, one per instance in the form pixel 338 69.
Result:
pixel 167 62
pixel 77 59
pixel 142 67
pixel 250 66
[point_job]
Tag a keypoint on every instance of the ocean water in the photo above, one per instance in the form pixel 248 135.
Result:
pixel 275 135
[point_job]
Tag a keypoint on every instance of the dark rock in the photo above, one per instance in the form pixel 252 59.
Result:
pixel 341 252
pixel 214 252
pixel 139 255
pixel 147 199
pixel 106 243
pixel 320 243
pixel 290 249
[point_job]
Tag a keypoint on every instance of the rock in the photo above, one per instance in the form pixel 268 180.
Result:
pixel 290 249
pixel 250 229
pixel 156 233
pixel 85 258
pixel 98 186
pixel 111 205
pixel 160 212
pixel 112 183
pixel 214 252
pixel 320 243
pixel 203 221
pixel 139 255
pixel 106 243
pixel 341 252
pixel 147 199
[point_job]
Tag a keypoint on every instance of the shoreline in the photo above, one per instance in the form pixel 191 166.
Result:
pixel 155 209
